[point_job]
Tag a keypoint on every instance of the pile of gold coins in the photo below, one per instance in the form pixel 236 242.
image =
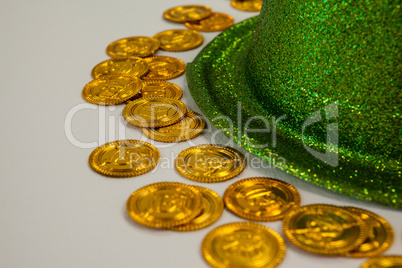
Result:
pixel 316 228
pixel 136 78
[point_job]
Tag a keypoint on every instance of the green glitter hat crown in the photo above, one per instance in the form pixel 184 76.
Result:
pixel 326 74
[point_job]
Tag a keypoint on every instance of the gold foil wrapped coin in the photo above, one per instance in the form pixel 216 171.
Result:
pixel 247 5
pixel 261 199
pixel 111 89
pixel 383 262
pixel 164 68
pixel 164 204
pixel 212 208
pixel 187 13
pixel 124 158
pixel 210 163
pixel 154 112
pixel 121 66
pixel 155 88
pixel 188 128
pixel 215 22
pixel 137 46
pixel 243 244
pixel 380 234
pixel 179 40
pixel 324 229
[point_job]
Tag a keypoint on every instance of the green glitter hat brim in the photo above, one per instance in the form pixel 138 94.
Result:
pixel 217 80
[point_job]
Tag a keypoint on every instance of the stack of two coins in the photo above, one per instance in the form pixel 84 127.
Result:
pixel 200 18
pixel 342 231
pixel 175 206
pixel 164 119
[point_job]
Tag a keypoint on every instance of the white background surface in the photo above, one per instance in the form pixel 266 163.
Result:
pixel 57 212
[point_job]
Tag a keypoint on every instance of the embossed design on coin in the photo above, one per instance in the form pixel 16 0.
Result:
pixel 243 244
pixel 210 163
pixel 261 199
pixel 111 89
pixel 324 229
pixel 179 40
pixel 212 208
pixel 388 261
pixel 247 5
pixel 164 68
pixel 154 112
pixel 188 128
pixel 164 204
pixel 121 66
pixel 137 46
pixel 124 158
pixel 215 22
pixel 154 88
pixel 380 234
pixel 187 13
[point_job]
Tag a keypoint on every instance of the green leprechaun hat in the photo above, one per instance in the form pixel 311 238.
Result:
pixel 321 81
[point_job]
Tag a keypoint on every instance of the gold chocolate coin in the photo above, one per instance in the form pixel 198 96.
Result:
pixel 380 234
pixel 129 66
pixel 164 68
pixel 324 229
pixel 111 89
pixel 215 22
pixel 247 5
pixel 154 112
pixel 212 208
pixel 261 199
pixel 243 244
pixel 137 46
pixel 383 262
pixel 179 40
pixel 187 13
pixel 155 88
pixel 164 204
pixel 210 163
pixel 188 128
pixel 124 158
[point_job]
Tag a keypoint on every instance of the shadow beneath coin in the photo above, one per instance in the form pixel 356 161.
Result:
pixel 292 248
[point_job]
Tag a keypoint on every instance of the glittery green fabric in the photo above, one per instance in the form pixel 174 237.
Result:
pixel 336 60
